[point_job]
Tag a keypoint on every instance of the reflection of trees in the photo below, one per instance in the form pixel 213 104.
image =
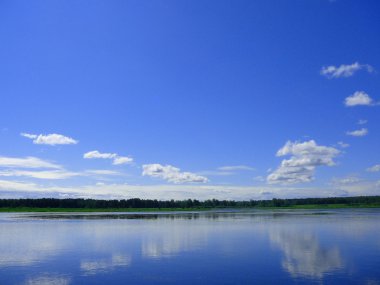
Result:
pixel 303 256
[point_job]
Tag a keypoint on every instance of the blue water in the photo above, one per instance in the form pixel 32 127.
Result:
pixel 256 247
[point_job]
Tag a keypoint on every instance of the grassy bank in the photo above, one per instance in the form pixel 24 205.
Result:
pixel 89 210
pixel 324 206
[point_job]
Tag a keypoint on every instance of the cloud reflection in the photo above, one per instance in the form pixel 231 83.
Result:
pixel 173 238
pixel 304 256
pixel 48 280
pixel 90 267
pixel 18 250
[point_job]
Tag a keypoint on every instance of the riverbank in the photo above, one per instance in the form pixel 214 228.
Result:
pixel 89 210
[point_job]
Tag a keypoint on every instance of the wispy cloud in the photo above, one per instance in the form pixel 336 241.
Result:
pixel 236 168
pixel 103 172
pixel 375 168
pixel 27 162
pixel 348 180
pixel 215 173
pixel 300 167
pixel 359 98
pixel 50 139
pixel 57 174
pixel 362 122
pixel 172 174
pixel 117 160
pixel 345 70
pixel 122 160
pixel 97 154
pixel 45 174
pixel 174 191
pixel 343 144
pixel 358 133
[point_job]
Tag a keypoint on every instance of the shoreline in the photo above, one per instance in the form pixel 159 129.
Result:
pixel 107 210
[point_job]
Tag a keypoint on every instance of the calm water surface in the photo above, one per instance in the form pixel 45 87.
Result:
pixel 257 247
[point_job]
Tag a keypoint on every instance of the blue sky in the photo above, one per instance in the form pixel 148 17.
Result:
pixel 189 99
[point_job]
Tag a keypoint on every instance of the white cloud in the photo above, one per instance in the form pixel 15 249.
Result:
pixel 47 174
pixel 57 174
pixel 102 172
pixel 117 160
pixel 27 162
pixel 50 139
pixel 343 144
pixel 226 170
pixel 349 180
pixel 300 167
pixel 359 98
pixel 171 174
pixel 29 136
pixel 259 179
pixel 122 160
pixel 216 173
pixel 97 154
pixel 375 168
pixel 33 167
pixel 362 122
pixel 359 187
pixel 358 133
pixel 344 70
pixel 236 168
pixel 17 189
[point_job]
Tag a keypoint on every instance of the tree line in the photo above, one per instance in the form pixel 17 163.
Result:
pixel 189 203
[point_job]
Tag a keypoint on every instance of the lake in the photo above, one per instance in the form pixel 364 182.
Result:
pixel 234 247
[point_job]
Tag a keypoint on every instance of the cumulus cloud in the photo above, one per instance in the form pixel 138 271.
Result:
pixel 375 168
pixel 344 70
pixel 50 139
pixel 27 162
pixel 117 160
pixel 171 174
pixel 300 167
pixel 359 98
pixel 358 133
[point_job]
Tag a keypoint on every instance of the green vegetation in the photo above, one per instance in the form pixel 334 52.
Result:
pixel 86 210
pixel 140 205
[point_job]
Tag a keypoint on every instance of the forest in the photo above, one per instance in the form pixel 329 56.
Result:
pixel 185 204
